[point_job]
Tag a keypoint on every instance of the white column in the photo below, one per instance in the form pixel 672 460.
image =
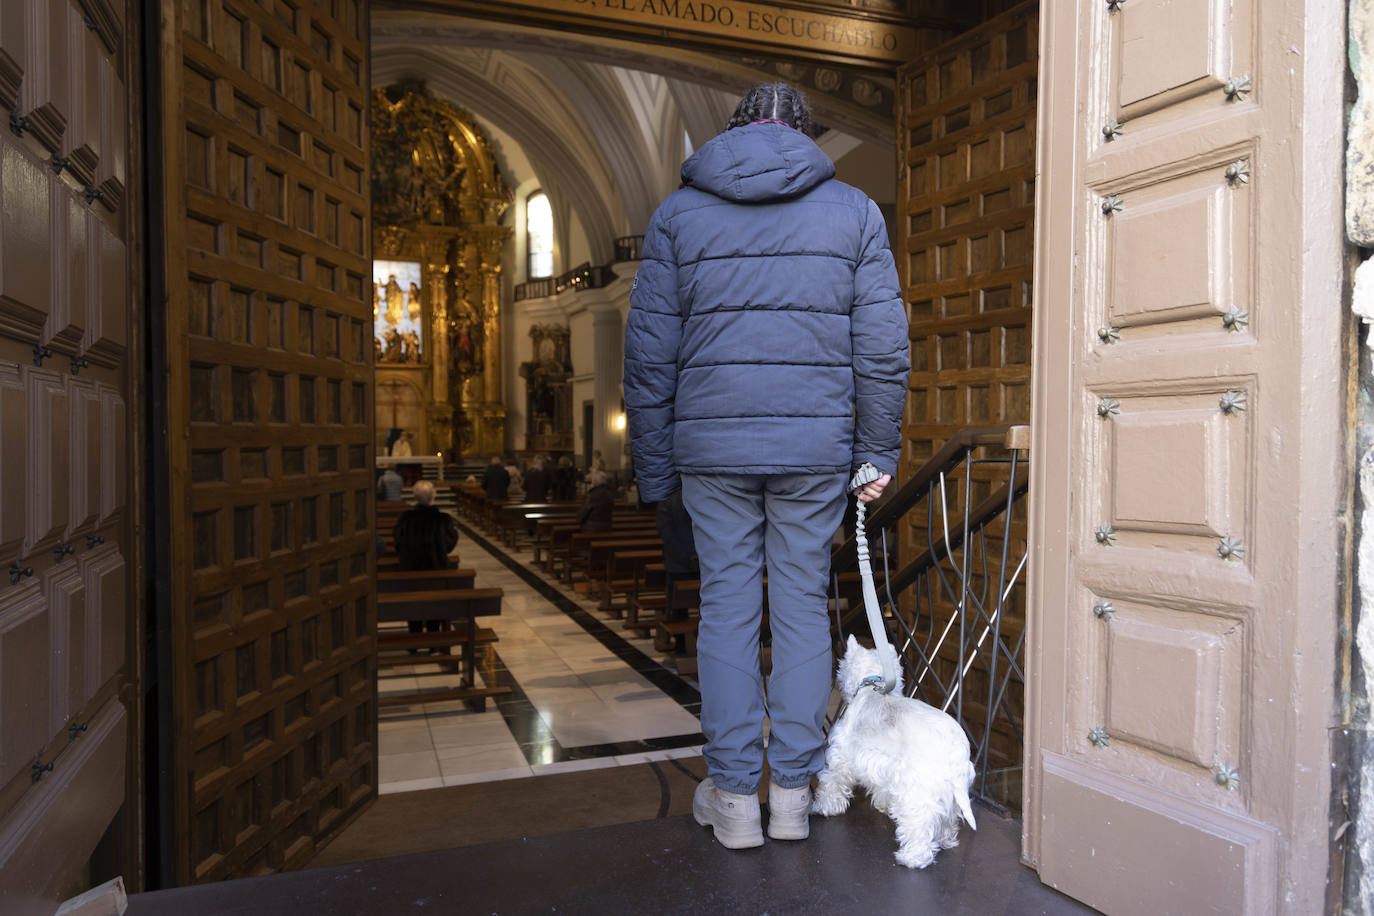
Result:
pixel 609 336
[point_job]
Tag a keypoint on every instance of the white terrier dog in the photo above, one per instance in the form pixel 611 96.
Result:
pixel 912 759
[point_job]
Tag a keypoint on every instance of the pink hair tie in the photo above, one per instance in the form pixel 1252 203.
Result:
pixel 771 121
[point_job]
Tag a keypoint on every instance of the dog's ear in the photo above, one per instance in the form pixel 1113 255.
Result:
pixel 852 645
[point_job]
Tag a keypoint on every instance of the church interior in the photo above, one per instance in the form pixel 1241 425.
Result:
pixel 468 186
pixel 226 683
pixel 514 170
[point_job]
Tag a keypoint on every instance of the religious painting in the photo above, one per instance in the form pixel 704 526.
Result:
pixel 398 331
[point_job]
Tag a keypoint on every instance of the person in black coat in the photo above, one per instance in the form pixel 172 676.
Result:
pixel 424 536
pixel 595 514
pixel 496 479
pixel 536 482
pixel 565 480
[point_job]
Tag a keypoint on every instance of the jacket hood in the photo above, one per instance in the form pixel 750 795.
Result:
pixel 757 163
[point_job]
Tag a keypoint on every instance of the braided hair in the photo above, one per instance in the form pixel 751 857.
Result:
pixel 774 102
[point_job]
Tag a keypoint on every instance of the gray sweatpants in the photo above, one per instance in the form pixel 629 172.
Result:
pixel 741 521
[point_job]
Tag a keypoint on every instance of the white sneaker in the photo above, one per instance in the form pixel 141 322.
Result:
pixel 789 812
pixel 734 818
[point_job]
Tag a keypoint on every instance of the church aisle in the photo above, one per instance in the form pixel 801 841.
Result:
pixel 582 695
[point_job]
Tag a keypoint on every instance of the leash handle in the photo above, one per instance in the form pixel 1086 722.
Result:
pixel 886 654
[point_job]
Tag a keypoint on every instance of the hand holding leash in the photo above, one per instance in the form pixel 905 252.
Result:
pixel 871 490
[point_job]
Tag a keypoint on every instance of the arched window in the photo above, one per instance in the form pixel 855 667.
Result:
pixel 539 235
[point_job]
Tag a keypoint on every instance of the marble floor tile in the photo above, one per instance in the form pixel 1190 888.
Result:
pixel 591 664
pixel 570 766
pixel 624 760
pixel 487 728
pixel 629 693
pixel 546 682
pixel 394 723
pixel 616 729
pixel 464 779
pixel 480 759
pixel 528 655
pixel 410 785
pixel 580 708
pixel 400 767
pixel 404 741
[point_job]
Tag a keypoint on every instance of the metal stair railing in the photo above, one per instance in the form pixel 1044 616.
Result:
pixel 955 606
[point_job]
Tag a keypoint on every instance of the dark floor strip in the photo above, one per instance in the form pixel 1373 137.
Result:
pixel 678 765
pixel 684 693
pixel 665 793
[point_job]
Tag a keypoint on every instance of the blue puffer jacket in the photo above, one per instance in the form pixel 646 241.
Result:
pixel 767 333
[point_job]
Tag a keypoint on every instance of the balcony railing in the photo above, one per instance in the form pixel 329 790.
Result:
pixel 956 605
pixel 534 289
pixel 582 277
pixel 629 248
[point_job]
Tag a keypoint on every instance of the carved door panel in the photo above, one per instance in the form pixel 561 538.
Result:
pixel 1189 405
pixel 270 393
pixel 65 605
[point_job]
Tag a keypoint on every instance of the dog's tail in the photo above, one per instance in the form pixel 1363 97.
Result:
pixel 965 808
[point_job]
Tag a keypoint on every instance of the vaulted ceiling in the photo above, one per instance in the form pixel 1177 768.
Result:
pixel 601 121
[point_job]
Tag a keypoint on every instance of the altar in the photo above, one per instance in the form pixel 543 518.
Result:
pixel 437 202
pixel 422 461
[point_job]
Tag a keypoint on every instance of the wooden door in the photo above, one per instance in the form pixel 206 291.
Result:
pixel 269 429
pixel 1188 453
pixel 966 196
pixel 66 228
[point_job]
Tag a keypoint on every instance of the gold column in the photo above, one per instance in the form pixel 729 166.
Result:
pixel 439 412
pixel 490 419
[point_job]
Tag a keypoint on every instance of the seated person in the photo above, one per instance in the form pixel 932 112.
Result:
pixel 423 537
pixel 565 480
pixel 390 486
pixel 595 514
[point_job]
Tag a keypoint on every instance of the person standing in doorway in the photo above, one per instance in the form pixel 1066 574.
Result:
pixel 766 360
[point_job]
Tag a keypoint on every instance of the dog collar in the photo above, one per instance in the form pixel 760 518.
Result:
pixel 873 680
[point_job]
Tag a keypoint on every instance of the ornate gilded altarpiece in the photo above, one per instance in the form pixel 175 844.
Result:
pixel 548 390
pixel 437 201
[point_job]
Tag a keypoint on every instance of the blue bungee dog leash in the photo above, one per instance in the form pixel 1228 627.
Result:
pixel 867 474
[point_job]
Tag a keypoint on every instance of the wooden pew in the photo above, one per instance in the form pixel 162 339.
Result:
pixel 573 546
pixel 677 620
pixel 510 519
pixel 469 498
pixel 612 566
pixel 460 607
pixel 424 580
pixel 392 563
pixel 549 531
